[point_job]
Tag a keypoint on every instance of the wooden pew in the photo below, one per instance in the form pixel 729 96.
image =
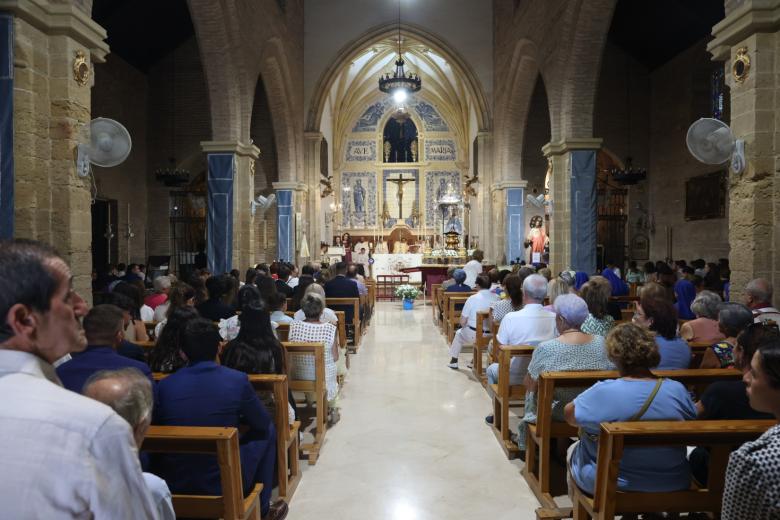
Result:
pixel 697 352
pixel 453 313
pixel 480 347
pixel 538 467
pixel 334 303
pixel 435 288
pixel 287 468
pixel 493 352
pixel 720 436
pixel 150 325
pixel 283 331
pixel 342 332
pixel 503 394
pixel 316 387
pixel 222 442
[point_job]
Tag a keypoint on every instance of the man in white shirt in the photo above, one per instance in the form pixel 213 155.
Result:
pixel 63 454
pixel 475 303
pixel 758 297
pixel 473 267
pixel 529 326
pixel 129 393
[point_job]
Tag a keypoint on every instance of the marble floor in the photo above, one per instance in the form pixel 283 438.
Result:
pixel 412 443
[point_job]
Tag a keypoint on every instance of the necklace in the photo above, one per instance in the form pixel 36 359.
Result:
pixel 569 330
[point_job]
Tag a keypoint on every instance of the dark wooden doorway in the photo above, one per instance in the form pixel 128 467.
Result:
pixel 612 215
pixel 105 247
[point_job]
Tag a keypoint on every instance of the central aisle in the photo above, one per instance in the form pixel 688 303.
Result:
pixel 412 443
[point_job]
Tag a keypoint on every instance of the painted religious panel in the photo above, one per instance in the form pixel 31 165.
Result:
pixel 432 120
pixel 439 150
pixel 436 185
pixel 401 188
pixel 358 190
pixel 370 118
pixel 361 150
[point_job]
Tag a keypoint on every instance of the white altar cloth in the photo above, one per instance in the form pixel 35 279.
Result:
pixel 392 263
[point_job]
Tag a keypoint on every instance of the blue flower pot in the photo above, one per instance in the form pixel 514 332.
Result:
pixel 408 304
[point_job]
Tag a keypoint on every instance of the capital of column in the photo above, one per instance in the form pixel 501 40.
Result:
pixel 291 185
pixel 504 185
pixel 568 145
pixel 750 17
pixel 236 147
pixel 61 19
pixel 312 136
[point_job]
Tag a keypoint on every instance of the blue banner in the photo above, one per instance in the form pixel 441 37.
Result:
pixel 220 216
pixel 584 217
pixel 6 125
pixel 285 227
pixel 515 230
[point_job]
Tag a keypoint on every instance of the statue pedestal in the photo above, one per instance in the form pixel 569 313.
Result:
pixel 452 240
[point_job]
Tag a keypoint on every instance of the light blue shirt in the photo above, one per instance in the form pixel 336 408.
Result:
pixel 641 469
pixel 675 353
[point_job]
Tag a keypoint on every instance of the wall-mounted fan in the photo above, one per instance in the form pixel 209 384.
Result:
pixel 109 145
pixel 712 142
pixel 262 203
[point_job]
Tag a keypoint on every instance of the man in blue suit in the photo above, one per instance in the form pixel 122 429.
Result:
pixel 104 328
pixel 206 394
pixel 342 287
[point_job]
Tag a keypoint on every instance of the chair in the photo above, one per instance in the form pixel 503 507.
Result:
pixel 503 394
pixel 222 442
pixel 720 436
pixel 316 387
pixel 480 347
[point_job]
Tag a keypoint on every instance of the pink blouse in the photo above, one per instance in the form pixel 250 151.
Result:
pixel 705 330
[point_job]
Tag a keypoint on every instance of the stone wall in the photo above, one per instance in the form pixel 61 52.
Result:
pixel 121 93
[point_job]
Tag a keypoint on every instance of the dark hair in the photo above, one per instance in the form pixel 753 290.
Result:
pixel 663 314
pixel 102 322
pixel 300 290
pixel 178 296
pixel 274 267
pixel 596 295
pixel 352 271
pixel 267 287
pixel 649 267
pixel 263 268
pixel 255 349
pixel 135 295
pixel 514 288
pixel 251 276
pixel 770 360
pixel 219 286
pixel 754 335
pixel 340 267
pixel 502 274
pixel 307 270
pixel 201 340
pixel 277 301
pixel 247 295
pixel 483 281
pixel 235 274
pixel 199 289
pixel 121 301
pixel 166 354
pixel 121 266
pixel 283 272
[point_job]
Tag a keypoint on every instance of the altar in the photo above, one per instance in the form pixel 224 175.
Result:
pixel 386 264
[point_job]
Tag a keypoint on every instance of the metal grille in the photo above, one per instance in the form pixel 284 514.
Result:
pixel 187 210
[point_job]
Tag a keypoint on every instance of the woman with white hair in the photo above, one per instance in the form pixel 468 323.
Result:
pixel 571 350
pixel 327 314
pixel 705 327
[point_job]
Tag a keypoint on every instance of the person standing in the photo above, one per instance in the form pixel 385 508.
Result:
pixel 474 267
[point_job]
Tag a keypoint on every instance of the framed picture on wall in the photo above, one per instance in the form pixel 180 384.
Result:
pixel 640 247
pixel 705 196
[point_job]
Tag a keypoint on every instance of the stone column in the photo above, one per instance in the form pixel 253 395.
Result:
pixel 51 104
pixel 508 203
pixel 290 197
pixel 753 28
pixel 6 125
pixel 231 234
pixel 311 172
pixel 574 214
pixel 486 225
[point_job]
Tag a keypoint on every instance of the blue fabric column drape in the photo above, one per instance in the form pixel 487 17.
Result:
pixel 285 228
pixel 220 216
pixel 6 125
pixel 584 224
pixel 515 208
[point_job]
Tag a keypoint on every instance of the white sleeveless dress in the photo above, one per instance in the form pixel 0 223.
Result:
pixel 303 366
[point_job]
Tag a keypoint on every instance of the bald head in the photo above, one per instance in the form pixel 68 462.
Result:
pixel 128 392
pixel 758 293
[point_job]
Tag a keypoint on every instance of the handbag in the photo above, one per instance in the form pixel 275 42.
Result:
pixel 637 416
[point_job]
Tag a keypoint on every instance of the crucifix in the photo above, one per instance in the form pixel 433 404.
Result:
pixel 400 181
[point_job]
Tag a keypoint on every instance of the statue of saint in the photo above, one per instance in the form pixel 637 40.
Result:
pixel 453 224
pixel 400 247
pixel 359 197
pixel 536 239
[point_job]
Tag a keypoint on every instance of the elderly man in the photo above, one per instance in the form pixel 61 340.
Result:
pixel 129 393
pixel 475 303
pixel 758 297
pixel 63 455
pixel 529 326
pixel 162 286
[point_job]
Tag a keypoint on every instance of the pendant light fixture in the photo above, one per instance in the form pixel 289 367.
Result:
pixel 400 84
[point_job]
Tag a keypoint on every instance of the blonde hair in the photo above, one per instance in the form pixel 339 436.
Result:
pixel 557 288
pixel 631 347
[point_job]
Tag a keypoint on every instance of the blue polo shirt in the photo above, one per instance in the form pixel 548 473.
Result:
pixel 74 373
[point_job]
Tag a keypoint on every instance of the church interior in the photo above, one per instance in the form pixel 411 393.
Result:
pixel 625 141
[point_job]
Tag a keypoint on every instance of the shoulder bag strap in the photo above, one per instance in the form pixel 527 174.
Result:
pixel 648 401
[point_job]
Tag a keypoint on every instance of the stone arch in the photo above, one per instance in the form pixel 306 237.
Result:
pixel 354 48
pixel 536 134
pixel 263 135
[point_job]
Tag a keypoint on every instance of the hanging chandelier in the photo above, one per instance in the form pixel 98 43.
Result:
pixel 400 84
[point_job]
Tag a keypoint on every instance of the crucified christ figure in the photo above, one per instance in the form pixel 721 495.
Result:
pixel 400 181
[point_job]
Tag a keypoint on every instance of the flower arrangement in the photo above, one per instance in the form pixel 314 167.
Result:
pixel 407 292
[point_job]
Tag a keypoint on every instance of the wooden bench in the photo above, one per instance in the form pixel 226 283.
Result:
pixel 455 304
pixel 435 288
pixel 335 303
pixel 504 394
pixel 480 347
pixel 222 442
pixel 150 325
pixel 538 467
pixel 283 331
pixel 697 352
pixel 342 332
pixel 720 436
pixel 316 387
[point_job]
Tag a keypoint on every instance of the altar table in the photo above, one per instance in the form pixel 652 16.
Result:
pixel 385 264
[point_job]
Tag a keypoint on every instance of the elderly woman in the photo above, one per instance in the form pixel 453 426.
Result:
pixel 636 395
pixel 660 317
pixel 573 349
pixel 733 318
pixel 596 295
pixel 313 330
pixel 459 286
pixel 556 288
pixel 704 328
pixel 327 314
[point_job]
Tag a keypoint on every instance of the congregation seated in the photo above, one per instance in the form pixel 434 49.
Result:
pixel 250 277
pixel 473 267
pixel 313 329
pixel 727 400
pixel 103 327
pixel 450 279
pixel 352 274
pixel 513 288
pixel 327 314
pixel 229 328
pixel 617 285
pixel 283 276
pixel 459 276
pixel 203 393
pixel 129 393
pixel 636 395
pixel 293 280
pixel 704 328
pixel 684 294
pixel 166 355
pixel 573 349
pixel 215 307
pixel 135 330
pixel 596 294
pixel 162 285
pixel 733 318
pixel 181 295
pixel 126 348
pixel 341 287
pixel 751 489
pixel 278 305
pixel 555 288
pixel 467 334
pixel 758 296
pixel 659 317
